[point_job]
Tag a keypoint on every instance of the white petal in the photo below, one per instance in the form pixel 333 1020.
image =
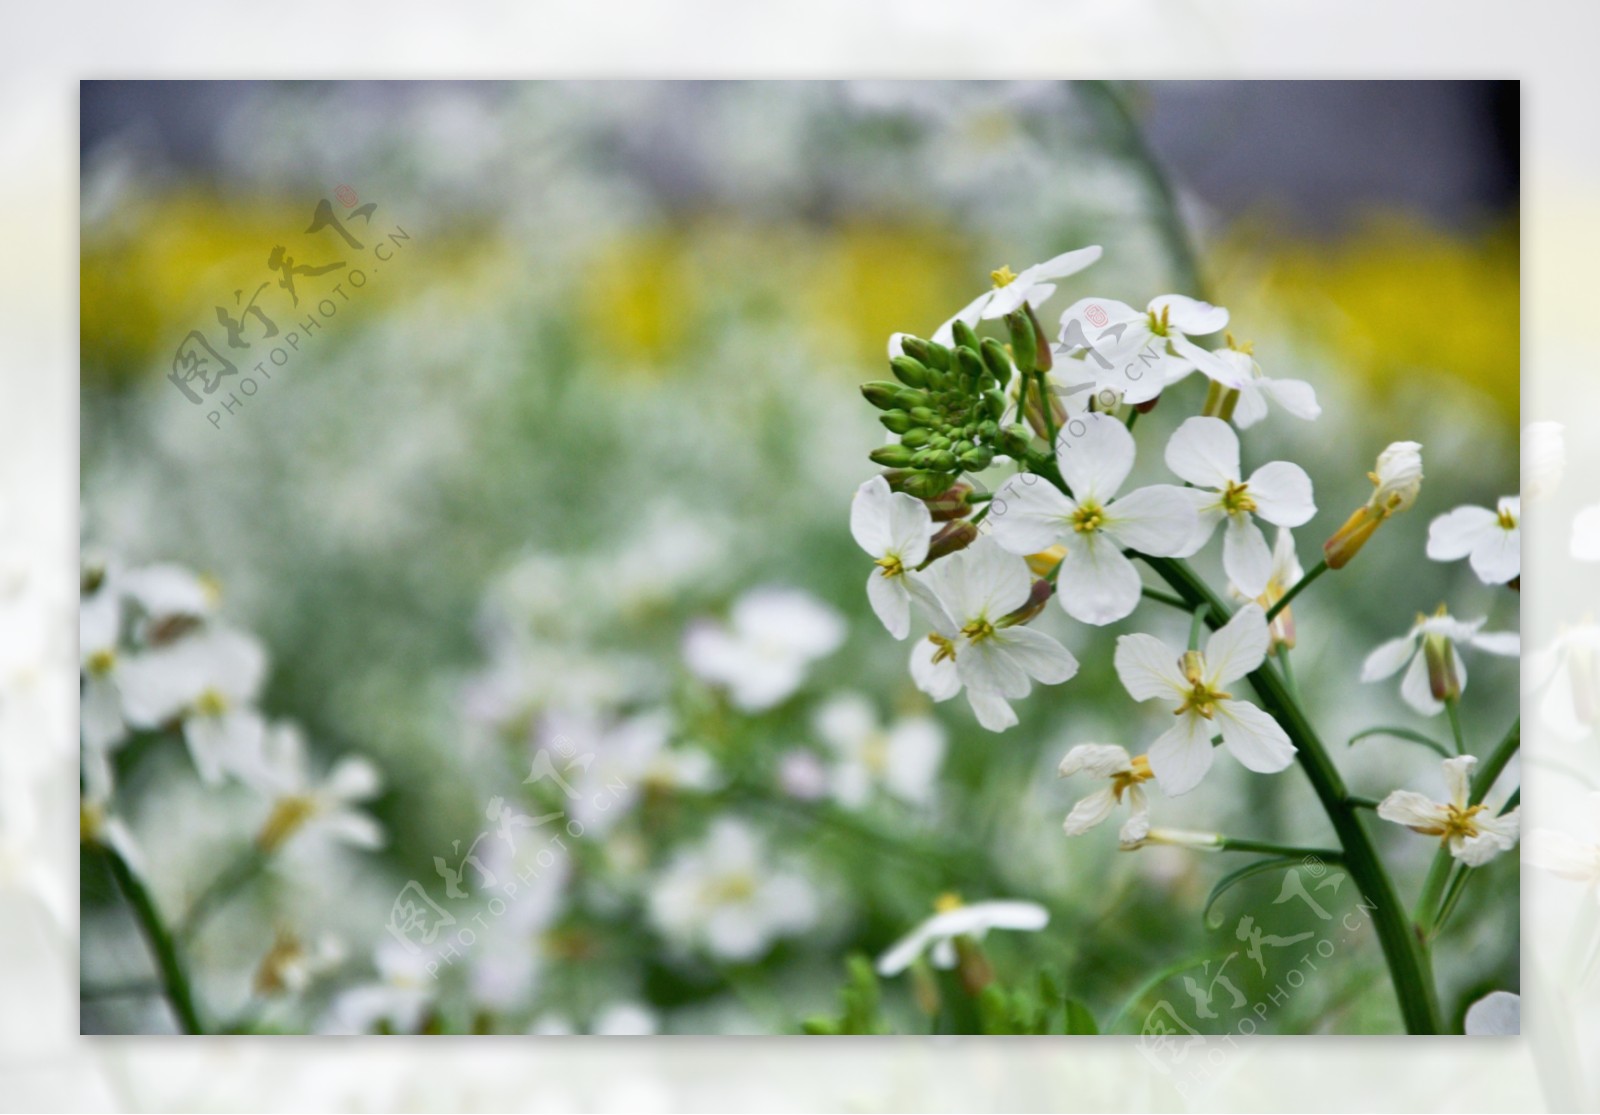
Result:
pixel 1417 691
pixel 1497 1014
pixel 1190 315
pixel 1507 643
pixel 1455 534
pixel 910 528
pixel 1149 668
pixel 353 828
pixel 970 313
pixel 982 580
pixel 1406 807
pixel 903 952
pixel 1458 778
pixel 1254 738
pixel 993 711
pixel 1157 520
pixel 1238 647
pixel 1251 406
pixel 1038 654
pixel 891 602
pixel 1282 492
pixel 938 680
pixel 1028 514
pixel 986 665
pixel 1137 826
pixel 1388 659
pixel 1498 558
pixel 1101 760
pixel 1586 534
pixel 1245 555
pixel 1181 756
pixel 1293 395
pixel 1059 267
pixel 1205 452
pixel 1096 453
pixel 1089 812
pixel 1563 856
pixel 1097 584
pixel 354 779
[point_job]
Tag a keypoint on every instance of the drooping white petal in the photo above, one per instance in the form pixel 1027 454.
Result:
pixel 986 665
pixel 1148 668
pixel 1246 557
pixel 1458 778
pixel 1414 810
pixel 910 528
pixel 1097 584
pixel 351 827
pixel 1455 534
pixel 1096 453
pixel 1238 647
pixel 1040 656
pixel 970 313
pixel 1137 827
pixel 891 602
pixel 1388 659
pixel 1157 520
pixel 994 712
pixel 938 680
pixel 1253 737
pixel 1059 267
pixel 1282 492
pixel 1563 856
pixel 1293 395
pixel 1205 452
pixel 1101 760
pixel 1028 514
pixel 1090 811
pixel 1180 757
pixel 1251 408
pixel 354 779
pixel 1506 643
pixel 1498 558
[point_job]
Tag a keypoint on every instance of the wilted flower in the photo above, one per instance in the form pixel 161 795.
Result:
pixel 902 759
pixel 1472 832
pixel 937 935
pixel 1151 670
pixel 1097 583
pixel 1205 452
pixel 1437 672
pixel 762 657
pixel 1491 540
pixel 894 529
pixel 1125 778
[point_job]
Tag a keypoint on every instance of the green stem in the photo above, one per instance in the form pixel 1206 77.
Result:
pixel 1197 624
pixel 169 968
pixel 1045 409
pixel 1452 708
pixel 1133 416
pixel 1167 598
pixel 1288 671
pixel 1329 855
pixel 1316 571
pixel 1408 961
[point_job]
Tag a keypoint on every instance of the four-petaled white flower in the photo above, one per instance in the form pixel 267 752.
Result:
pixel 304 806
pixel 1151 670
pixel 1097 584
pixel 903 759
pixel 1256 390
pixel 1474 834
pixel 1437 671
pixel 1568 857
pixel 1125 778
pixel 1010 291
pixel 968 597
pixel 762 658
pixel 1205 452
pixel 1491 540
pixel 938 934
pixel 894 528
pixel 1140 352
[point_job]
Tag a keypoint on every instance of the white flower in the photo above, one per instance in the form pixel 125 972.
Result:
pixel 1140 352
pixel 102 726
pixel 1205 452
pixel 1256 390
pixel 1397 477
pixel 902 760
pixel 1286 573
pixel 208 679
pixel 1586 534
pixel 1097 583
pixel 1544 458
pixel 168 593
pixel 1475 835
pixel 1569 671
pixel 1125 778
pixel 1425 688
pixel 1011 291
pixel 1151 670
pixel 894 528
pixel 725 896
pixel 937 935
pixel 304 807
pixel 1492 540
pixel 1568 857
pixel 775 634
pixel 1497 1014
pixel 398 999
pixel 291 963
pixel 969 595
pixel 627 760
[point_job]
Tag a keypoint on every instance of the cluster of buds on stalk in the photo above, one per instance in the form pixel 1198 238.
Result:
pixel 1396 479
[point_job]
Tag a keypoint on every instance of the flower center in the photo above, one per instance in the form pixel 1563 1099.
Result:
pixel 212 702
pixel 1160 325
pixel 1236 498
pixel 947 649
pixel 731 888
pixel 978 630
pixel 875 753
pixel 1003 277
pixel 891 565
pixel 1508 521
pixel 1088 518
pixel 1124 780
pixel 1201 698
pixel 287 815
pixel 1456 822
pixel 946 902
pixel 101 662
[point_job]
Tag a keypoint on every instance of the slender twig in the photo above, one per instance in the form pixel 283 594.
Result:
pixel 1317 570
pixel 1197 624
pixel 1232 844
pixel 1171 600
pixel 169 967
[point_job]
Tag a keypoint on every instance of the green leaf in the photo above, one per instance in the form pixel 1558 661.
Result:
pixel 1233 878
pixel 1079 1020
pixel 1405 734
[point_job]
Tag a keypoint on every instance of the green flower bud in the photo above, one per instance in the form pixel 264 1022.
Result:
pixel 988 431
pixel 895 421
pixel 924 485
pixel 970 365
pixel 941 460
pixel 1024 342
pixel 916 436
pixel 1015 440
pixel 907 398
pixel 937 358
pixel 922 416
pixel 952 537
pixel 994 356
pixel 891 456
pixel 964 336
pixel 994 405
pixel 908 371
pixel 977 459
pixel 880 393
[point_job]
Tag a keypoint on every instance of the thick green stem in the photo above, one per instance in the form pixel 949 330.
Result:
pixel 1403 949
pixel 169 968
pixel 1452 708
pixel 1328 855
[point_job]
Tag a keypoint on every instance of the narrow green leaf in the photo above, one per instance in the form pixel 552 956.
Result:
pixel 1405 734
pixel 1079 1020
pixel 1233 878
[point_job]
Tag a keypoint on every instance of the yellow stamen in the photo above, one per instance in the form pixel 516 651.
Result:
pixel 1003 277
pixel 978 630
pixel 212 702
pixel 1088 518
pixel 1507 521
pixel 891 565
pixel 101 662
pixel 946 902
pixel 1123 781
pixel 287 815
pixel 1236 499
pixel 1201 698
pixel 947 649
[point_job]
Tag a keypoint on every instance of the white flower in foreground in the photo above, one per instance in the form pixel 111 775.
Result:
pixel 1257 390
pixel 209 680
pixel 1205 452
pixel 1097 583
pixel 902 760
pixel 1544 458
pixel 1474 834
pixel 1140 352
pixel 303 806
pixel 937 935
pixel 1151 670
pixel 1497 1014
pixel 1437 671
pixel 725 896
pixel 970 595
pixel 894 528
pixel 1568 857
pixel 762 657
pixel 1286 573
pixel 1491 540
pixel 1125 778
pixel 1586 534
pixel 1011 290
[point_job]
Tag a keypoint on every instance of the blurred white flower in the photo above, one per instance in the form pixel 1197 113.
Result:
pixel 894 528
pixel 166 593
pixel 969 595
pixel 629 760
pixel 304 808
pixel 1097 583
pixel 624 1019
pixel 761 658
pixel 513 947
pixel 1151 670
pixel 292 963
pixel 1125 777
pixel 1475 835
pixel 1568 671
pixel 1435 638
pixel 937 935
pixel 1491 540
pixel 1544 458
pixel 1139 352
pixel 803 775
pixel 395 1002
pixel 1569 857
pixel 101 721
pixel 1286 573
pixel 727 896
pixel 902 760
pixel 1497 1014
pixel 1256 390
pixel 1205 452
